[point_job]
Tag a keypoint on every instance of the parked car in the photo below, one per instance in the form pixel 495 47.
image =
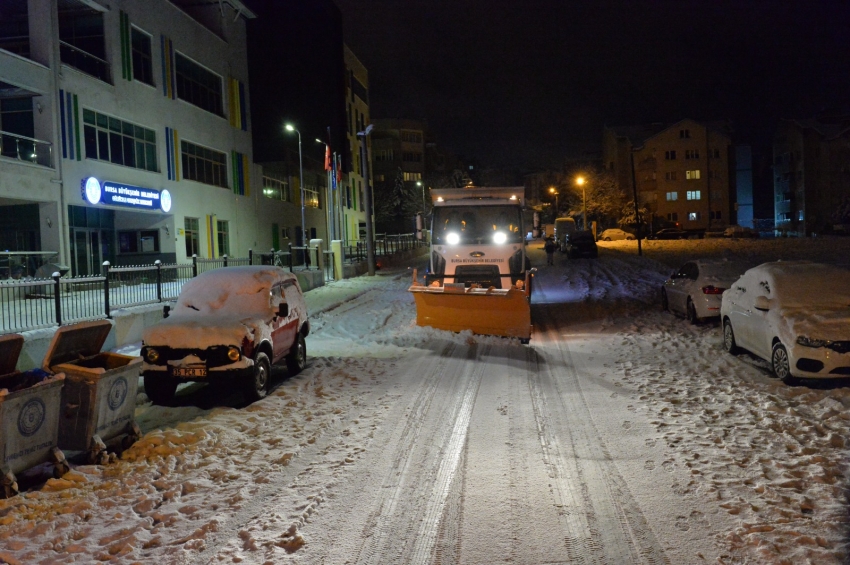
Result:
pixel 695 288
pixel 228 325
pixel 669 233
pixel 581 244
pixel 614 234
pixel 794 314
pixel 738 231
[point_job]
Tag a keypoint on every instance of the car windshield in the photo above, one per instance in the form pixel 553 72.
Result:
pixel 812 285
pixel 476 224
pixel 231 290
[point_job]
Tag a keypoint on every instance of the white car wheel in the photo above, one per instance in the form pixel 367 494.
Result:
pixel 780 363
pixel 729 338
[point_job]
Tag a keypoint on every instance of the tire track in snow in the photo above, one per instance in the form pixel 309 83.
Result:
pixel 603 523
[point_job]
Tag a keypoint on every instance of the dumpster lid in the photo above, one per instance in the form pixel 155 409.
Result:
pixel 76 341
pixel 10 349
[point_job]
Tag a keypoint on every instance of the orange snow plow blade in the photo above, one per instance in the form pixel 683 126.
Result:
pixel 484 311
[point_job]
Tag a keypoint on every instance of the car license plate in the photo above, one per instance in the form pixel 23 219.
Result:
pixel 190 372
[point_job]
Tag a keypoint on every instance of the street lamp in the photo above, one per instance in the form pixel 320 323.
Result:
pixel 555 192
pixel 580 182
pixel 422 186
pixel 290 127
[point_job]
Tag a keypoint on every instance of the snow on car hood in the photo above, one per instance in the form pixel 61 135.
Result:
pixel 202 332
pixel 817 323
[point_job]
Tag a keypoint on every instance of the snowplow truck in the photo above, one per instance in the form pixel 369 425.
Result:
pixel 478 277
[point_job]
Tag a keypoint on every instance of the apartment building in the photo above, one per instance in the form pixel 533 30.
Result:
pixel 126 132
pixel 398 153
pixel 353 207
pixel 811 184
pixel 684 172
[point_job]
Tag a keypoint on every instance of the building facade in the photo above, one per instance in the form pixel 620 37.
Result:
pixel 399 153
pixel 684 172
pixel 353 206
pixel 126 132
pixel 811 184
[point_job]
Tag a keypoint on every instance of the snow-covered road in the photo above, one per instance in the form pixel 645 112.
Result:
pixel 621 434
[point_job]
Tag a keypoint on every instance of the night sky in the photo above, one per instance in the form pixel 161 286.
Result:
pixel 529 83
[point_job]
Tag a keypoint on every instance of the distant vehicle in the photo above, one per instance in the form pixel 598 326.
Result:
pixel 581 244
pixel 794 314
pixel 614 234
pixel 563 228
pixel 229 325
pixel 669 233
pixel 738 231
pixel 695 289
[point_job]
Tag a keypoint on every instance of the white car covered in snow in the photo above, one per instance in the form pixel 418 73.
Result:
pixel 694 289
pixel 229 324
pixel 795 314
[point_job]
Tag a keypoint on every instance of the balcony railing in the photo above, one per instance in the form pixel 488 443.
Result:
pixel 26 149
pixel 84 61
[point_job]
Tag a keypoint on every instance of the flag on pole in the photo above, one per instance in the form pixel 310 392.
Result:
pixel 327 157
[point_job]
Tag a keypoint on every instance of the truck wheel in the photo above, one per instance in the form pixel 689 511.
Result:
pixel 258 384
pixel 296 361
pixel 160 389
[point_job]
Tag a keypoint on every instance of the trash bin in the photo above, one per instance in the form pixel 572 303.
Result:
pixel 99 396
pixel 29 417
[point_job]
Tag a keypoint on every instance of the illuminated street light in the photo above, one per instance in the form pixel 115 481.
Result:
pixel 290 127
pixel 580 182
pixel 555 192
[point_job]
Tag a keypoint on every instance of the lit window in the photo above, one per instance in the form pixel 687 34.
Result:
pixel 693 216
pixel 191 228
pixel 311 196
pixel 412 176
pixel 694 195
pixel 800 215
pixel 671 196
pixel 276 189
pixel 692 175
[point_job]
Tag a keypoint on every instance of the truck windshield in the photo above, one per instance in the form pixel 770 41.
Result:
pixel 477 224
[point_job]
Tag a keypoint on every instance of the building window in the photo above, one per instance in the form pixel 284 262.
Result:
pixel 692 175
pixel 191 229
pixel 138 241
pixel 276 189
pixel 673 217
pixel 411 136
pixel 671 196
pixel 284 233
pixel 693 216
pixel 670 155
pixel 694 195
pixel 384 155
pixel 196 85
pixel 380 178
pixel 715 215
pixel 203 164
pixel 670 175
pixel 684 133
pixel 411 157
pixel 223 237
pixel 116 141
pixel 800 216
pixel 311 196
pixel 412 176
pixel 142 65
pixel 82 43
pixel 692 154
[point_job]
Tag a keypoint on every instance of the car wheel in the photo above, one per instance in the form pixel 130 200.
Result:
pixel 779 362
pixel 606 239
pixel 160 389
pixel 729 342
pixel 692 312
pixel 296 361
pixel 630 238
pixel 665 305
pixel 258 385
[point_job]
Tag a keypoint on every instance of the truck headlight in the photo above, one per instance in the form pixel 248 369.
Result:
pixel 233 353
pixel 452 238
pixel 152 355
pixel 500 237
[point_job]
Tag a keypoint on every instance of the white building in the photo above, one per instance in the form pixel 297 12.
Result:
pixel 125 132
pixel 357 114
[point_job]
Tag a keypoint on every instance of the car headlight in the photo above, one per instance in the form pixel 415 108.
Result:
pixel 452 238
pixel 500 237
pixel 152 355
pixel 233 353
pixel 809 342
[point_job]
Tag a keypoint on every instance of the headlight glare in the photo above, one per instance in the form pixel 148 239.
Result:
pixel 452 238
pixel 233 354
pixel 151 355
pixel 500 237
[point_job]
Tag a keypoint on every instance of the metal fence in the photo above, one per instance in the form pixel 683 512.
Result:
pixel 29 304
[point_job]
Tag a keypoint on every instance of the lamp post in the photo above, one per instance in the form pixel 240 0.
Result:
pixel 370 236
pixel 580 182
pixel 290 127
pixel 555 192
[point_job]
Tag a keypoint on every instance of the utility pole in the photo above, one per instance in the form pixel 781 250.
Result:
pixel 370 236
pixel 634 191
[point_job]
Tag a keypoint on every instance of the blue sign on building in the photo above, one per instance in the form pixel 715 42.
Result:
pixel 117 194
